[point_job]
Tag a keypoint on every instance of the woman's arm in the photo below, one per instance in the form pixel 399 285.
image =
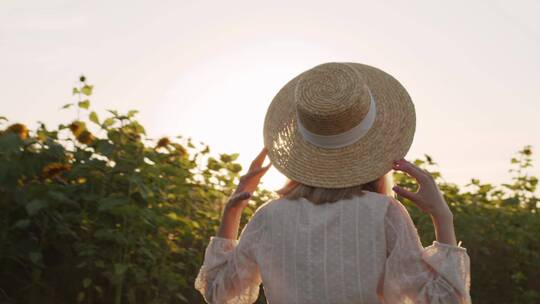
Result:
pixel 230 223
pixel 230 273
pixel 230 220
pixel 444 228
pixel 439 273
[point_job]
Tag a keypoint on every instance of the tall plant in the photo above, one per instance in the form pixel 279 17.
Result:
pixel 96 212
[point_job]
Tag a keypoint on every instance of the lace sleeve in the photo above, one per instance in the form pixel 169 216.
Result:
pixel 229 273
pixel 439 273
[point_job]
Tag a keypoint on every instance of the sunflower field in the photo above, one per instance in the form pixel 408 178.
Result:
pixel 94 211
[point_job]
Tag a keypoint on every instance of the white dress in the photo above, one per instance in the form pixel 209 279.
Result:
pixel 362 250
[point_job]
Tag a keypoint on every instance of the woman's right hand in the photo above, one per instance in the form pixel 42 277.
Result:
pixel 428 197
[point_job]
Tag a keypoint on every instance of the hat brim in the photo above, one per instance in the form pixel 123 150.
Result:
pixel 367 159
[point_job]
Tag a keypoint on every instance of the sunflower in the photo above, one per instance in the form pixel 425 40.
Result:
pixel 77 127
pixel 163 142
pixel 53 169
pixel 18 129
pixel 180 150
pixel 86 137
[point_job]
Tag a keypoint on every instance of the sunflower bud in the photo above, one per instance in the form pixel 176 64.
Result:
pixel 86 137
pixel 163 142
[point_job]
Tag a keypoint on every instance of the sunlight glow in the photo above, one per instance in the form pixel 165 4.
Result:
pixel 210 72
pixel 222 101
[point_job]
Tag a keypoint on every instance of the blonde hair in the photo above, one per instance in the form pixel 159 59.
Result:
pixel 318 195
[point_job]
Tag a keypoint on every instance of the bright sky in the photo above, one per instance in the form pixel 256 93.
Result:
pixel 210 69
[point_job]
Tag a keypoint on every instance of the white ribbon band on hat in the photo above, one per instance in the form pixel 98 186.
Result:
pixel 342 139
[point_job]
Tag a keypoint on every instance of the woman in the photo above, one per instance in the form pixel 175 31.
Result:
pixel 336 234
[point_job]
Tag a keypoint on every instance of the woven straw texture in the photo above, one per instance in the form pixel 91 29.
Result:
pixel 332 98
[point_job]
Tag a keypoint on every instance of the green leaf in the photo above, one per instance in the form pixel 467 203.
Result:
pixel 113 112
pixel 109 203
pixel 106 234
pixel 10 143
pixel 67 105
pixel 61 197
pixel 234 156
pixel 98 289
pixel 132 113
pixel 104 147
pixel 80 296
pixel 139 129
pixel 235 168
pixel 213 164
pixel 22 224
pixel 120 269
pixel 76 91
pixel 100 264
pixel 225 158
pixel 35 257
pixel 85 104
pixel 87 282
pixel 94 117
pixel 107 123
pixel 34 207
pixel 87 90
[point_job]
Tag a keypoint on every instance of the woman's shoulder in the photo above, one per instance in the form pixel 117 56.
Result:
pixel 372 199
pixel 377 201
pixel 273 204
pixel 375 196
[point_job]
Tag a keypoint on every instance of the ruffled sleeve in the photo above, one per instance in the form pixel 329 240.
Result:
pixel 229 273
pixel 439 273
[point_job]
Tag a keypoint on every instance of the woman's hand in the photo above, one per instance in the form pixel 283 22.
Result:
pixel 230 221
pixel 428 198
pixel 248 182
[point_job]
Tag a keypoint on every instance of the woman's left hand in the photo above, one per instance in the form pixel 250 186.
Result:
pixel 248 182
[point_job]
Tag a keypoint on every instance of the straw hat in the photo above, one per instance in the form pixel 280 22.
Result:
pixel 339 124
